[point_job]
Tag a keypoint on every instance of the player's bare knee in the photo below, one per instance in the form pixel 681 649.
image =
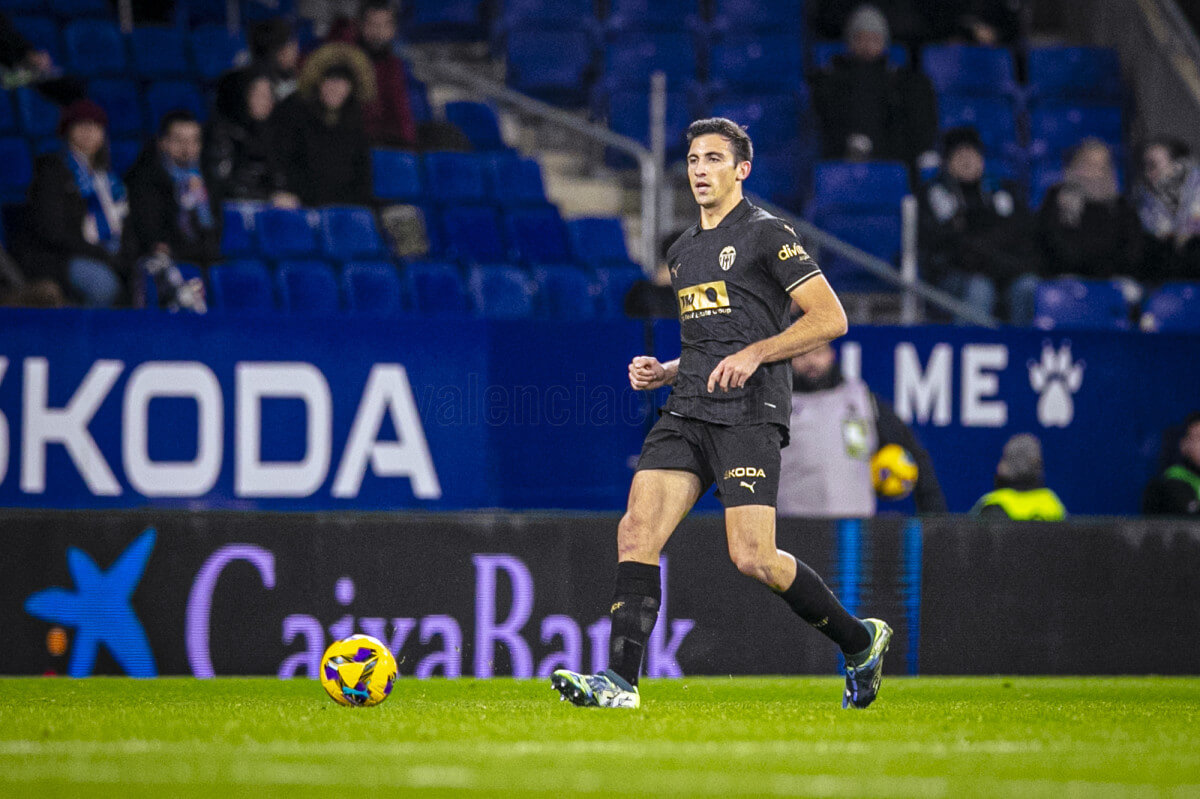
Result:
pixel 634 538
pixel 751 562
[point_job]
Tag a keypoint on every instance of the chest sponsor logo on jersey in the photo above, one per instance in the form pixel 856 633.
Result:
pixel 791 251
pixel 726 258
pixel 704 299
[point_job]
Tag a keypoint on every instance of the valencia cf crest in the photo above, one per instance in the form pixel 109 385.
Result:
pixel 727 257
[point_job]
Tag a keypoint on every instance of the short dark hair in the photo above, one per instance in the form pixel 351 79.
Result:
pixel 172 118
pixel 739 141
pixel 376 5
pixel 269 37
pixel 1191 419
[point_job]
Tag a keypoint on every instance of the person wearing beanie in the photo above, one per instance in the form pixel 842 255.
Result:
pixel 76 212
pixel 976 234
pixel 1021 493
pixel 868 108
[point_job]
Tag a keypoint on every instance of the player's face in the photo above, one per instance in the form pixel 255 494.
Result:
pixel 713 171
pixel 814 365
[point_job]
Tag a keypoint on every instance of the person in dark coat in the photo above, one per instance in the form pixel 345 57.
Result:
pixel 275 52
pixel 320 139
pixel 1176 490
pixel 171 211
pixel 76 212
pixel 238 159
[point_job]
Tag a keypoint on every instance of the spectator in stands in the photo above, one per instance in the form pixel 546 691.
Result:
pixel 76 212
pixel 1176 491
pixel 1021 492
pixel 275 51
pixel 976 236
pixel 837 424
pixel 918 22
pixel 869 110
pixel 389 118
pixel 239 162
pixel 24 65
pixel 1086 227
pixel 171 211
pixel 323 147
pixel 16 291
pixel 1169 206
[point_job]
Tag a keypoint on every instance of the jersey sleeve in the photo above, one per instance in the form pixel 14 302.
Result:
pixel 785 258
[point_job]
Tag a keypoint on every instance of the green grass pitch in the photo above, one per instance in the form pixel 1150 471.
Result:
pixel 924 737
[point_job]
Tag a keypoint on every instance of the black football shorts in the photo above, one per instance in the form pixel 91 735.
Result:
pixel 743 460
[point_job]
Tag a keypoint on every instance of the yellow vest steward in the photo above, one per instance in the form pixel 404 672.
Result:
pixel 1040 504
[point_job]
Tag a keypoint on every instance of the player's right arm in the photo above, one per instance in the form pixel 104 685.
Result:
pixel 647 374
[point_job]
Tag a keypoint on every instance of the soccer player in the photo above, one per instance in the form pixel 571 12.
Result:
pixel 735 274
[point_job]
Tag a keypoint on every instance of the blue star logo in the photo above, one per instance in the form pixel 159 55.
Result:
pixel 100 610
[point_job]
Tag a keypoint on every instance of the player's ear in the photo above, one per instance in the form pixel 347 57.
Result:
pixel 743 170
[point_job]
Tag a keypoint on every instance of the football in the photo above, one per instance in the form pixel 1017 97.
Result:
pixel 358 671
pixel 893 472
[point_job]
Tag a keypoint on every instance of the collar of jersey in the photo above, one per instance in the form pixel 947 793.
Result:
pixel 735 215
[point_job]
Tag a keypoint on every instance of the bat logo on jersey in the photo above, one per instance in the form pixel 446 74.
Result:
pixel 704 299
pixel 791 251
pixel 726 258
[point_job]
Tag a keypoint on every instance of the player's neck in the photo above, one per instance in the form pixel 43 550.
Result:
pixel 711 217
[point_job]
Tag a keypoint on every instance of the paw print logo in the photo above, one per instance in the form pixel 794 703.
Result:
pixel 1056 378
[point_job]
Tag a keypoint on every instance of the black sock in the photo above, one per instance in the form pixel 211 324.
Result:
pixel 812 601
pixel 634 610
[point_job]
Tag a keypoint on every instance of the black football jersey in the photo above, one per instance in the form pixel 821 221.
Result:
pixel 733 285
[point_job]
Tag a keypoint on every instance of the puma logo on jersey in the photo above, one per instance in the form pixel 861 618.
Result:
pixel 745 471
pixel 750 486
pixel 791 251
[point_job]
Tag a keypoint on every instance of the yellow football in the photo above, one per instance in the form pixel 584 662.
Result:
pixel 893 472
pixel 358 671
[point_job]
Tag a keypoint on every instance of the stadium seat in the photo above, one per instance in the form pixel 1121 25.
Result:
pixel 643 16
pixel 215 50
pixel 842 185
pixel 8 114
pixel 1054 128
pixel 875 232
pixel 1072 304
pixel 545 14
pixel 1043 175
pixel 306 287
pixel 992 117
pixel 38 116
pixel 629 114
pixel 167 96
pixel 94 47
pixel 198 13
pixel 736 17
pixel 397 176
pixel 1175 307
pixel 598 241
pixel 8 7
pixel 160 53
pixel 781 177
pixel 238 229
pixel 762 64
pixel 436 288
pixel 501 292
pixel 124 152
pixel 240 286
pixel 472 233
pixel 1074 73
pixel 46 144
pixel 71 9
pixel 478 121
pixel 372 288
pixel 969 69
pixel 18 168
pixel 564 292
pixel 630 60
pixel 612 284
pixel 123 104
pixel 824 52
pixel 350 233
pixel 43 33
pixel 550 65
pixel 514 181
pixel 445 20
pixel 285 233
pixel 537 235
pixel 772 120
pixel 455 178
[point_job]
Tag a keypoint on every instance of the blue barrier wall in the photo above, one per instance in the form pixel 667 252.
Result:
pixel 124 409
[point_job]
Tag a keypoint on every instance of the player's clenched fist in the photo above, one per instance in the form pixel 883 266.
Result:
pixel 646 373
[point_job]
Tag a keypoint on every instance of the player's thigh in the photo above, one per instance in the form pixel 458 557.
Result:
pixel 658 501
pixel 750 533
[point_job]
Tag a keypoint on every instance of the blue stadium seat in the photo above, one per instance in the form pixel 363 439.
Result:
pixel 71 9
pixel 773 120
pixel 1043 175
pixel 436 288
pixel 445 20
pixel 630 60
pixel 1074 73
pixel 43 33
pixel 1054 128
pixel 20 6
pixel 38 116
pixel 876 232
pixel 196 13
pixel 537 235
pixel 455 178
pixel 1175 307
pixel 397 176
pixel 123 104
pixel 240 286
pixel 757 16
pixel 843 185
pixel 501 292
pixel 612 284
pixel 598 241
pixel 372 288
pixel 18 168
pixel 285 233
pixel 306 287
pixel 513 180
pixel 781 177
pixel 160 52
pixel 255 10
pixel 550 65
pixel 124 152
pixel 95 47
pixel 1072 304
pixel 8 114
pixel 472 233
pixel 969 69
pixel 215 50
pixel 626 16
pixel 629 114
pixel 167 96
pixel 478 121
pixel 418 97
pixel 349 233
pixel 564 292
pixel 992 117
pixel 545 14
pixel 47 144
pixel 762 64
pixel 238 229
pixel 824 52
